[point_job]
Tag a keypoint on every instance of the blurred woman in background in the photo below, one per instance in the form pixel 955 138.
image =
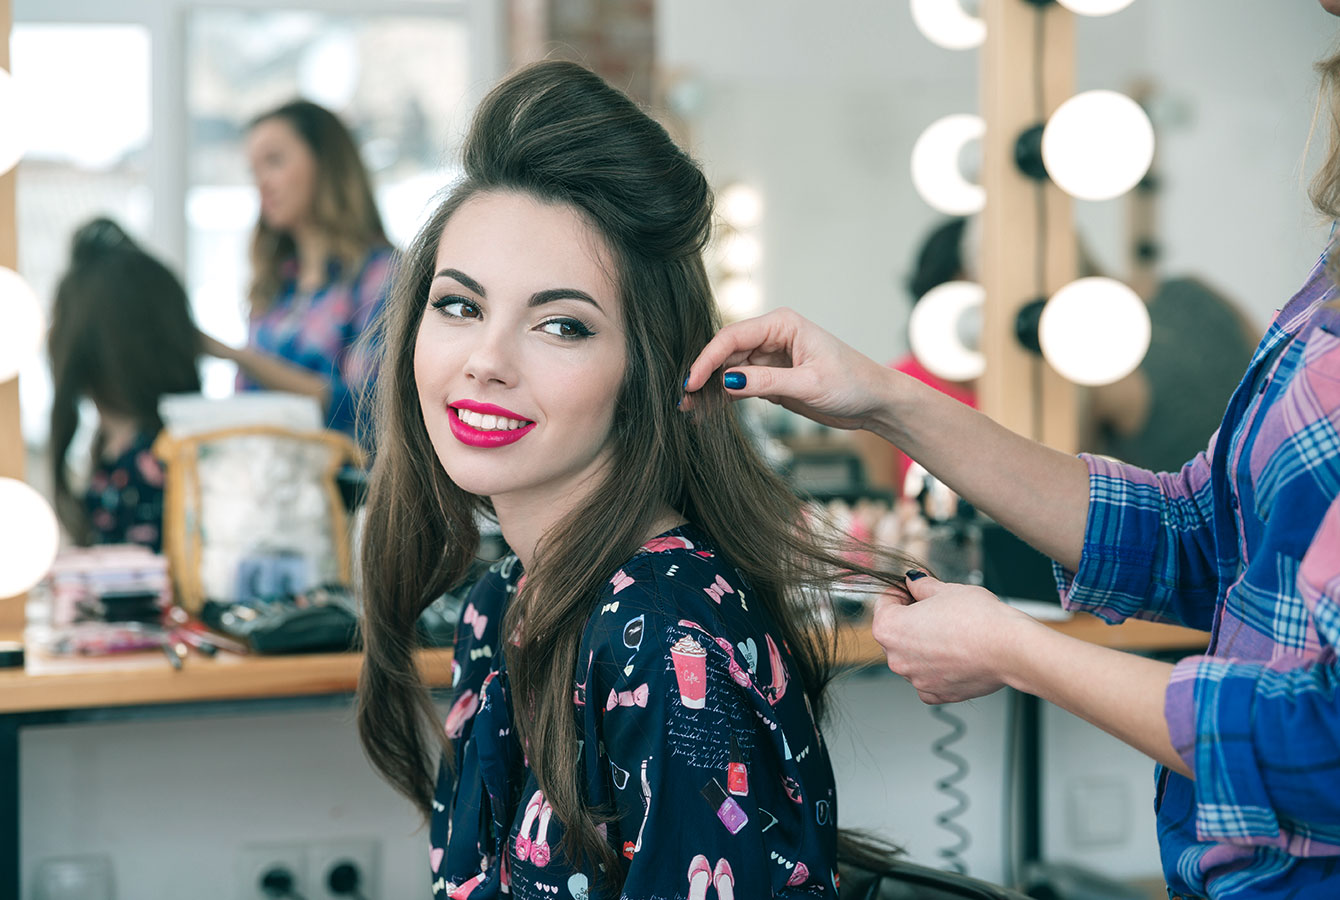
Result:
pixel 320 262
pixel 121 336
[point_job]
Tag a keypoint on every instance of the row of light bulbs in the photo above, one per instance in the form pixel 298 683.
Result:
pixel 29 535
pixel 1096 146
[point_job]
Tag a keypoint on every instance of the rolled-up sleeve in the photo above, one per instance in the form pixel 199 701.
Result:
pixel 1149 547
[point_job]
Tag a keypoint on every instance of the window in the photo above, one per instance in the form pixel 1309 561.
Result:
pixel 89 159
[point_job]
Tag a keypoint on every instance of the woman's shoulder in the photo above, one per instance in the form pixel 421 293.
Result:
pixel 675 578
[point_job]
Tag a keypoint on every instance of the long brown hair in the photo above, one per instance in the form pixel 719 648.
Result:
pixel 121 335
pixel 559 133
pixel 343 207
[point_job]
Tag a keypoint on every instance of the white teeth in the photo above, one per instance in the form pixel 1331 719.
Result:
pixel 482 422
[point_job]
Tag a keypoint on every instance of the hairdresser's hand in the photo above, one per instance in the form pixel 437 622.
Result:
pixel 951 641
pixel 212 347
pixel 789 360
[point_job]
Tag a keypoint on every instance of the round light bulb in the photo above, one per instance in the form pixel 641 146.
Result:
pixel 739 298
pixel 15 130
pixel 1094 331
pixel 1095 7
pixel 20 310
pixel 741 205
pixel 741 253
pixel 29 537
pixel 935 165
pixel 945 23
pixel 934 330
pixel 1098 145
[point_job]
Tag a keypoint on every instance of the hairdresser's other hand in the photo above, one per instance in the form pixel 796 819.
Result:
pixel 789 360
pixel 212 347
pixel 950 641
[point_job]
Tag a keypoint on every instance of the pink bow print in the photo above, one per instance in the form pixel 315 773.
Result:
pixel 636 697
pixel 621 580
pixel 720 587
pixel 474 618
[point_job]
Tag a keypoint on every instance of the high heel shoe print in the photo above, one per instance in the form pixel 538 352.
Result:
pixel 523 844
pixel 539 851
pixel 702 876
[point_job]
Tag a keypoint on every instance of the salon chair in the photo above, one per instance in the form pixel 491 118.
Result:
pixel 901 880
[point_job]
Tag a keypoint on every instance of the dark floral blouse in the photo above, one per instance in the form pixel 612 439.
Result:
pixel 124 500
pixel 692 731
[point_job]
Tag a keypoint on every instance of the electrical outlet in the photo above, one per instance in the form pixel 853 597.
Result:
pixel 364 854
pixel 255 860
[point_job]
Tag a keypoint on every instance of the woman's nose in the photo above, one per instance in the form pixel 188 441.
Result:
pixel 492 357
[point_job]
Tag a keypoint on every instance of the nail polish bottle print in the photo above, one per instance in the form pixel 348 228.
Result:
pixel 737 774
pixel 731 814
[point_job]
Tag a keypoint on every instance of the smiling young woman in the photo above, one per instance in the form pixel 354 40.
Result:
pixel 637 714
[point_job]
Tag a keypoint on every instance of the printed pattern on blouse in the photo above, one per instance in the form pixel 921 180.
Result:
pixel 693 734
pixel 124 499
pixel 1245 542
pixel 319 330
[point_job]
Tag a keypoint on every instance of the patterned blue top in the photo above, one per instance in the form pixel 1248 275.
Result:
pixel 1243 541
pixel 676 677
pixel 319 330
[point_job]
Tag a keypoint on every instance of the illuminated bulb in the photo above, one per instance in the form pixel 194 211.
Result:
pixel 1094 331
pixel 29 537
pixel 13 129
pixel 934 330
pixel 741 206
pixel 1095 7
pixel 935 165
pixel 21 312
pixel 1098 145
pixel 741 253
pixel 739 298
pixel 945 23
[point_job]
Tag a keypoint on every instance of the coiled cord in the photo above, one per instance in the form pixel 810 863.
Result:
pixel 947 785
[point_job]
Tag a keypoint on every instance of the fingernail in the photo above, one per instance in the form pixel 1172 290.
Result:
pixel 914 574
pixel 734 380
pixel 685 386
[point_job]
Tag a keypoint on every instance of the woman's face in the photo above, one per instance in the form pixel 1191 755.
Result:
pixel 520 353
pixel 284 169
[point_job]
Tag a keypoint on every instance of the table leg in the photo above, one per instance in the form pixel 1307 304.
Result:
pixel 9 806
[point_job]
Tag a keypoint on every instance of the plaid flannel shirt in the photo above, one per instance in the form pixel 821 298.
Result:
pixel 1244 541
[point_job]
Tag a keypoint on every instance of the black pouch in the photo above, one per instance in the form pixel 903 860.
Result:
pixel 324 620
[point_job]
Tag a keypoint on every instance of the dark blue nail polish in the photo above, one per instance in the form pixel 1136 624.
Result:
pixel 685 386
pixel 733 380
pixel 914 574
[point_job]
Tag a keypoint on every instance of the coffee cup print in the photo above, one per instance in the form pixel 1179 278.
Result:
pixel 690 661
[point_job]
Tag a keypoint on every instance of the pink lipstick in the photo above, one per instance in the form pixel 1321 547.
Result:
pixel 475 437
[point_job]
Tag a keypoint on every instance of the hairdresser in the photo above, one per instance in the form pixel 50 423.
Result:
pixel 320 261
pixel 1243 541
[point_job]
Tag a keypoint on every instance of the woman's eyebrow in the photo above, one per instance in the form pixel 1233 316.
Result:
pixel 469 283
pixel 549 296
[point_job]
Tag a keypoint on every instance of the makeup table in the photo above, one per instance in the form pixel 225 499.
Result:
pixel 54 691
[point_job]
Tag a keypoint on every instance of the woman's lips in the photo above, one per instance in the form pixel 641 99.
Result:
pixel 482 430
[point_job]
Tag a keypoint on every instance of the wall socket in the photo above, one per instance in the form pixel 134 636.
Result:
pixel 254 860
pixel 310 866
pixel 363 853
